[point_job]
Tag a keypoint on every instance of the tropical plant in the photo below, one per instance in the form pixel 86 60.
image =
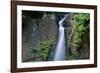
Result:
pixel 43 50
pixel 80 24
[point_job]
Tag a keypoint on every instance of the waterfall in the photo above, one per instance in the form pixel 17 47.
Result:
pixel 60 51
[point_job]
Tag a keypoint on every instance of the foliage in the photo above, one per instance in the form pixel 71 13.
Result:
pixel 43 50
pixel 81 27
pixel 80 31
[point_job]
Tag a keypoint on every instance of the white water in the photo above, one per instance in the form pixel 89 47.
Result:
pixel 60 52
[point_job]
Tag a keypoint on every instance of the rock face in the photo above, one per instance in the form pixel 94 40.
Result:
pixel 36 27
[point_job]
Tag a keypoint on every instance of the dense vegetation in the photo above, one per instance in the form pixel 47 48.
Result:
pixel 80 32
pixel 44 49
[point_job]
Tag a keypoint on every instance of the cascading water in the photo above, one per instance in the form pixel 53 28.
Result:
pixel 60 52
